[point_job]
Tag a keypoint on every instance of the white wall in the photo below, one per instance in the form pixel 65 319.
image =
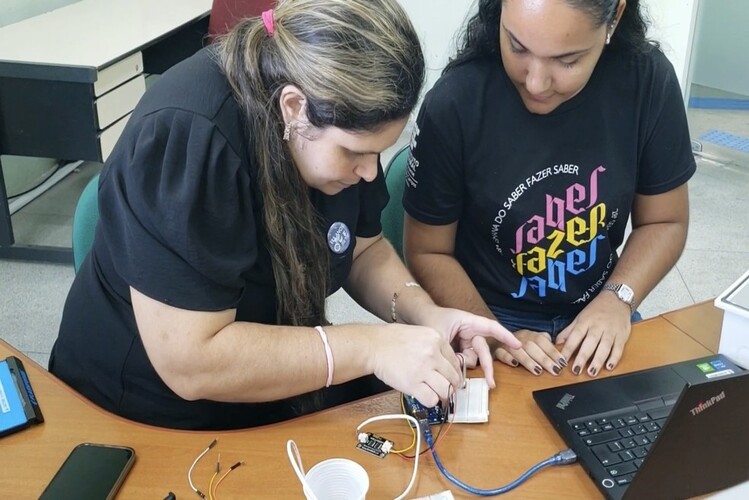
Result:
pixel 720 58
pixel 12 11
pixel 672 23
pixel 438 22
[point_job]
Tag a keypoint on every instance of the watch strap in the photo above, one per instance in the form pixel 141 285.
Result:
pixel 616 288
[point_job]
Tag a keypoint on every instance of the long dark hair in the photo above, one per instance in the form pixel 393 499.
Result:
pixel 480 38
pixel 360 65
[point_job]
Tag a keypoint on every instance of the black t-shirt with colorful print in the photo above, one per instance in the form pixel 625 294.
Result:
pixel 542 201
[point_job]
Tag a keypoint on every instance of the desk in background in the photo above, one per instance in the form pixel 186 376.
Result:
pixel 69 79
pixel 483 455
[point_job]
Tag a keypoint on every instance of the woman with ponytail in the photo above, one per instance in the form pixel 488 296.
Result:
pixel 556 122
pixel 245 189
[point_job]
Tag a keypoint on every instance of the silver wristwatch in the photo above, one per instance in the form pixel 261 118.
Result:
pixel 624 292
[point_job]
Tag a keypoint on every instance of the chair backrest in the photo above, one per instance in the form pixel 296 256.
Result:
pixel 84 221
pixel 226 13
pixel 392 215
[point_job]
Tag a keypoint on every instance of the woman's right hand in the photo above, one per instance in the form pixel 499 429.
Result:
pixel 417 361
pixel 538 353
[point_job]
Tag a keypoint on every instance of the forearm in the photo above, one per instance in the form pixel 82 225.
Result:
pixel 378 273
pixel 650 252
pixel 249 362
pixel 447 282
pixel 209 355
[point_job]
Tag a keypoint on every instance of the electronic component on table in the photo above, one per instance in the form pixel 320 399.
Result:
pixel 374 444
pixel 91 472
pixel 18 405
pixel 471 403
pixel 434 416
pixel 468 405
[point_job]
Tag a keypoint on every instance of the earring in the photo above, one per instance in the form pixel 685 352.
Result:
pixel 287 132
pixel 611 32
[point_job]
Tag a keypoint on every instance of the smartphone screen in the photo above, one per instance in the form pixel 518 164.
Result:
pixel 91 472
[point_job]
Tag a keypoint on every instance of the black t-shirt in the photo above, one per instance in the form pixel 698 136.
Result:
pixel 542 201
pixel 181 221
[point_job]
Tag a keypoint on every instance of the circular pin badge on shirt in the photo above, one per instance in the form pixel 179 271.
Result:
pixel 339 237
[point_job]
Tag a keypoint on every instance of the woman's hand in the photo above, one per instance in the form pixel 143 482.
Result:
pixel 416 360
pixel 598 334
pixel 537 353
pixel 470 332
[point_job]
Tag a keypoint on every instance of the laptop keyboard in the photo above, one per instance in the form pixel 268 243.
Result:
pixel 622 441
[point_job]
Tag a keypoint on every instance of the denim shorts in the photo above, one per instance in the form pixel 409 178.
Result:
pixel 537 321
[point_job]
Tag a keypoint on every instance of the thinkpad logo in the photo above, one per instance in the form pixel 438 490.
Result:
pixel 708 403
pixel 565 401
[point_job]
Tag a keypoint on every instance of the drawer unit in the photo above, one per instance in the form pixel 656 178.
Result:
pixel 120 101
pixel 69 92
pixel 108 138
pixel 67 118
pixel 118 73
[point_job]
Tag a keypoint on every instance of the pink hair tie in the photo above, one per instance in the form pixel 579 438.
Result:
pixel 268 22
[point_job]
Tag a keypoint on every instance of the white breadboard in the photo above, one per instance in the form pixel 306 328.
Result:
pixel 472 403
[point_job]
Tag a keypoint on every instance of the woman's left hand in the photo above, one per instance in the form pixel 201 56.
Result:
pixel 470 332
pixel 600 331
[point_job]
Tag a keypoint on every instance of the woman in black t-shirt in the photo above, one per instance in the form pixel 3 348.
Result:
pixel 556 121
pixel 232 206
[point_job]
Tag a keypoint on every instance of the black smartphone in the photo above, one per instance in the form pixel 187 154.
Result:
pixel 91 472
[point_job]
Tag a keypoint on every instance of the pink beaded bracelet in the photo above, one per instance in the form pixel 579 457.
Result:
pixel 328 355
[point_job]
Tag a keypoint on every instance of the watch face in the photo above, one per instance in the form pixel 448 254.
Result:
pixel 625 293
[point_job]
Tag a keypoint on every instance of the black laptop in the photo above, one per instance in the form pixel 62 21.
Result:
pixel 675 431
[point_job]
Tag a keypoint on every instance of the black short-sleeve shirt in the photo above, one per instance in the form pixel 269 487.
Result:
pixel 542 201
pixel 181 221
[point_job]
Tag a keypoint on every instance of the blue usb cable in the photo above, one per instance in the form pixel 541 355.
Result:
pixel 561 458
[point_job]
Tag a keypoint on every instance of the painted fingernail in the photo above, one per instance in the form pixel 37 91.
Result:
pixel 537 370
pixel 556 370
pixel 562 362
pixel 592 372
pixel 576 370
pixel 514 362
pixel 610 366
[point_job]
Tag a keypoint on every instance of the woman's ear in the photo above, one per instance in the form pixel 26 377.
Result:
pixel 293 105
pixel 612 26
pixel 619 12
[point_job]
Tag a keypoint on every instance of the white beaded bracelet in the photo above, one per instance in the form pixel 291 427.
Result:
pixel 407 284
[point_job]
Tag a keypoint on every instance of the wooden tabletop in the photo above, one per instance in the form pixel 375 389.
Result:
pixel 482 455
pixel 698 321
